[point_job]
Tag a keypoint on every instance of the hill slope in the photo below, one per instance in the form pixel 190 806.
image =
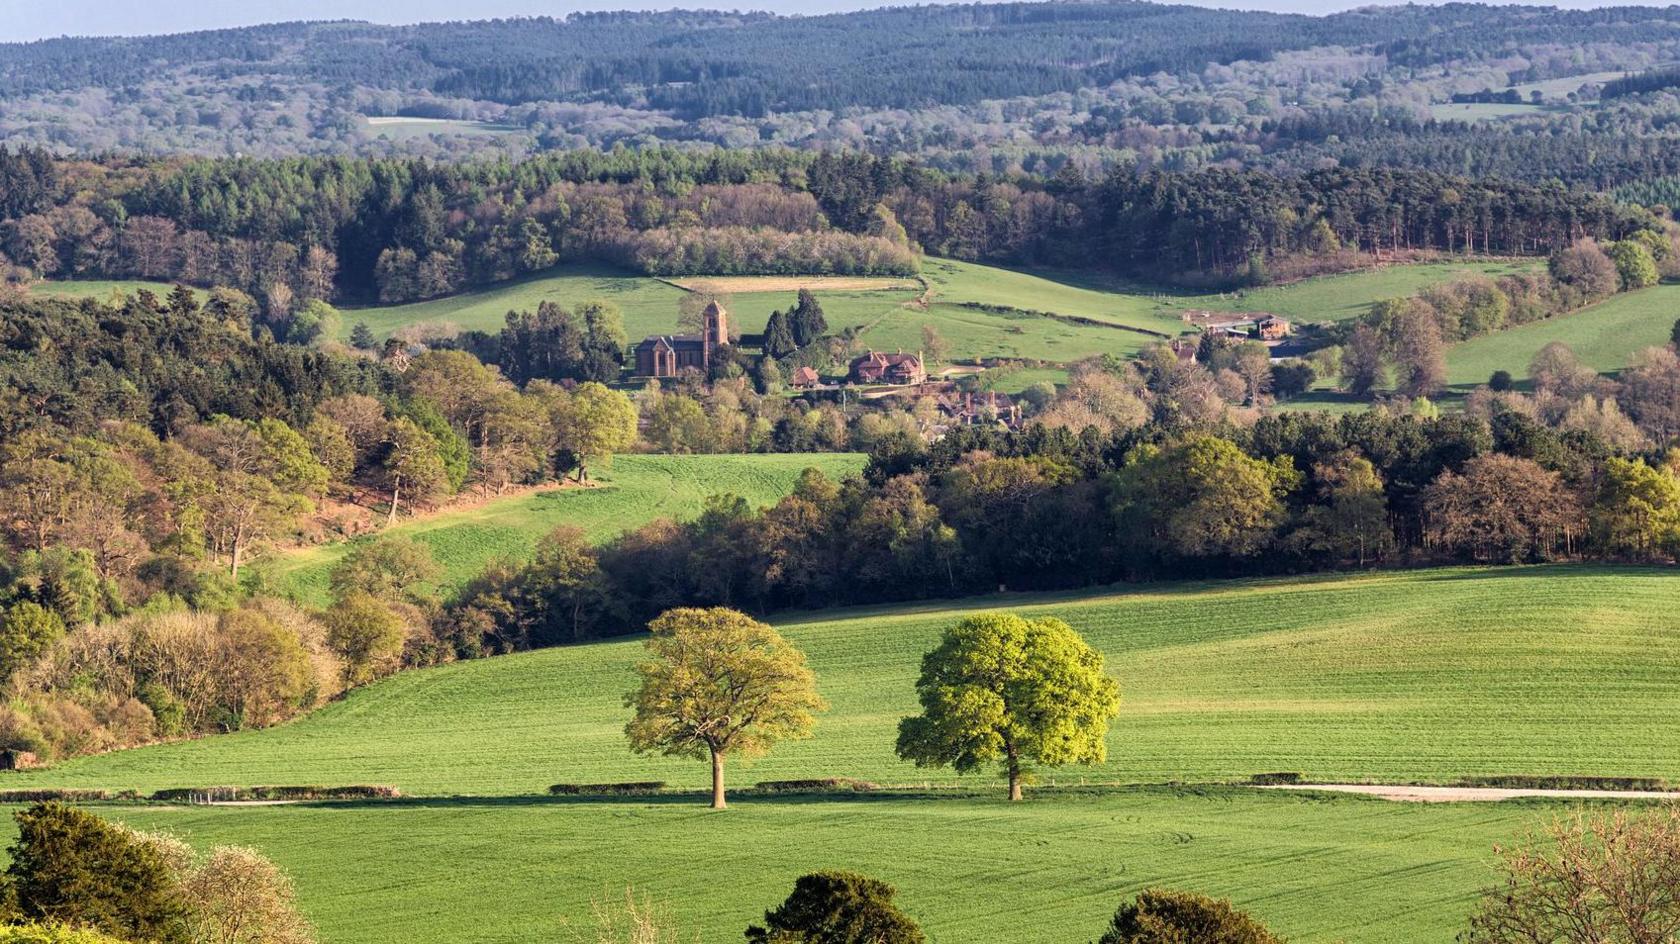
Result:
pixel 1397 676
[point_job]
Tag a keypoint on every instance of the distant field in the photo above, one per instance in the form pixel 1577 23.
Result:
pixel 1604 337
pixel 639 489
pixel 788 284
pixel 1560 88
pixel 1403 676
pixel 1340 297
pixel 403 129
pixel 1079 295
pixel 969 869
pixel 102 289
pixel 1479 111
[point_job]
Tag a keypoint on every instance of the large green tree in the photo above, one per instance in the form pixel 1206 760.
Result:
pixel 1001 688
pixel 72 867
pixel 719 684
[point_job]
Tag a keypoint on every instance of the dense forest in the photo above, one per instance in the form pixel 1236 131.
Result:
pixel 303 229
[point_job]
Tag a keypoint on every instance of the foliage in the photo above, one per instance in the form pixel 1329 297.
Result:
pixel 720 684
pixel 1169 917
pixel 1000 688
pixel 837 908
pixel 70 866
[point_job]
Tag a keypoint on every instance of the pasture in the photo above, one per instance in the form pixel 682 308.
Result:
pixel 1605 337
pixel 1481 111
pixel 1351 294
pixel 969 868
pixel 405 128
pixel 1425 675
pixel 635 490
pixel 102 289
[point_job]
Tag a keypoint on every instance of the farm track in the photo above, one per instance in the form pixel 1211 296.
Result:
pixel 1411 794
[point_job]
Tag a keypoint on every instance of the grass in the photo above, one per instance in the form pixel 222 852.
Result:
pixel 406 128
pixel 1340 297
pixel 1480 111
pixel 1318 870
pixel 102 289
pixel 1604 336
pixel 1063 293
pixel 1425 675
pixel 639 488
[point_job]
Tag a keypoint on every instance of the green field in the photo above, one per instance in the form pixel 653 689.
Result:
pixel 637 489
pixel 1480 111
pixel 1604 336
pixel 100 289
pixel 1340 297
pixel 968 868
pixel 406 129
pixel 1078 295
pixel 1425 675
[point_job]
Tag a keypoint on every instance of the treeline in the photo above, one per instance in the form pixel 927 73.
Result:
pixel 1656 80
pixel 1042 508
pixel 289 232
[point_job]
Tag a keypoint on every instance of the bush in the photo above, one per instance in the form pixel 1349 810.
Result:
pixel 72 867
pixel 1167 917
pixel 631 788
pixel 66 796
pixel 1500 381
pixel 1272 779
pixel 837 908
pixel 52 934
pixel 822 785
pixel 237 794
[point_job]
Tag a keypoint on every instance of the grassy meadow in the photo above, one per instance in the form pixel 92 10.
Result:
pixel 101 289
pixel 1349 295
pixel 1604 336
pixel 635 490
pixel 968 868
pixel 1416 676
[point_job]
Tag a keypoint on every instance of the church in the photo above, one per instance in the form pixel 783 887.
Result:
pixel 666 355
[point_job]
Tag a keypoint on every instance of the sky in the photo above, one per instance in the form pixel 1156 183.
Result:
pixel 37 19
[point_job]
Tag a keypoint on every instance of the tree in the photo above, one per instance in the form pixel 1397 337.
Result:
pixel 1351 519
pixel 237 896
pixel 367 635
pixel 1585 268
pixel 1635 266
pixel 1169 917
pixel 1500 381
pixel 361 337
pixel 1501 508
pixel 1637 509
pixel 1001 688
pixel 591 424
pixel 1203 497
pixel 72 867
pixel 1362 361
pixel 1555 369
pixel 390 567
pixel 778 336
pixel 27 630
pixel 1420 355
pixel 934 345
pixel 837 908
pixel 806 320
pixel 412 460
pixel 1593 879
pixel 719 684
pixel 563 589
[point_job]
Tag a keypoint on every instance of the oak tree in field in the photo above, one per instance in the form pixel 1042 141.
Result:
pixel 719 684
pixel 591 423
pixel 413 465
pixel 837 908
pixel 1599 878
pixel 1001 688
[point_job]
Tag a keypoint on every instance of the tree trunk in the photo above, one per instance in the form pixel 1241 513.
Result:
pixel 396 490
pixel 718 802
pixel 1014 772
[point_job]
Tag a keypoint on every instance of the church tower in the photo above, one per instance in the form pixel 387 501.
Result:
pixel 715 331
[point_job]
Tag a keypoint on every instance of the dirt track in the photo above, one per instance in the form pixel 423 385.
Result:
pixel 1405 794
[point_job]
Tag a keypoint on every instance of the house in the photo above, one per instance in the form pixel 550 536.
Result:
pixel 970 409
pixel 1273 328
pixel 804 378
pixel 877 368
pixel 666 355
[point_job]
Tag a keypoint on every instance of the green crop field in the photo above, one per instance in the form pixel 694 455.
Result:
pixel 1424 675
pixel 1604 337
pixel 1340 297
pixel 1480 111
pixel 636 490
pixel 1077 295
pixel 1053 869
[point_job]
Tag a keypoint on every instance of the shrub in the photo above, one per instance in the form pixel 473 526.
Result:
pixel 233 794
pixel 1270 779
pixel 52 934
pixel 1168 917
pixel 822 785
pixel 632 788
pixel 837 908
pixel 72 867
pixel 1500 381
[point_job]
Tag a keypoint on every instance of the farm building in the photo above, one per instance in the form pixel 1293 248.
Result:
pixel 900 368
pixel 970 409
pixel 804 378
pixel 665 355
pixel 1272 328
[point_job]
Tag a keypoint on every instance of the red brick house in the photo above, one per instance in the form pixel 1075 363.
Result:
pixel 878 368
pixel 804 378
